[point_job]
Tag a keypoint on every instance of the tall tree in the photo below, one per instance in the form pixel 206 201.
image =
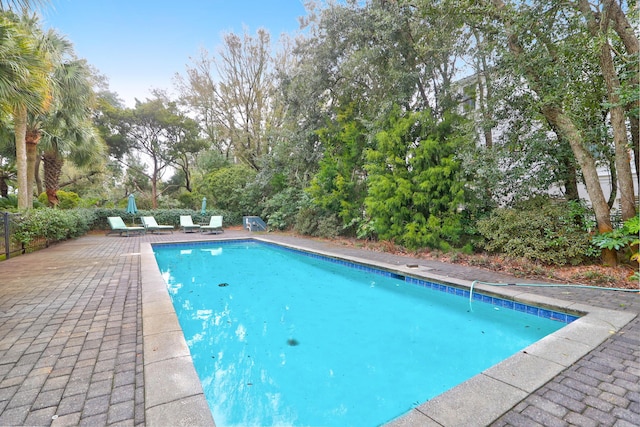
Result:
pixel 362 60
pixel 156 130
pixel 61 80
pixel 233 96
pixel 23 86
pixel 415 181
pixel 198 93
pixel 66 129
pixel 339 186
pixel 600 18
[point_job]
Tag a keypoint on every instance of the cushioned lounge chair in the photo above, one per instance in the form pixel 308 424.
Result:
pixel 118 226
pixel 152 226
pixel 187 225
pixel 215 225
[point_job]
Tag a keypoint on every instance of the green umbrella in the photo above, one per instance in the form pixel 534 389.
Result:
pixel 131 206
pixel 203 211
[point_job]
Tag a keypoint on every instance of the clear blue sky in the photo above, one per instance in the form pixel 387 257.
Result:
pixel 140 44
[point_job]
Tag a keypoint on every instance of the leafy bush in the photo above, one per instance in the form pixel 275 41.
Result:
pixel 539 230
pixel 68 199
pixel 52 224
pixel 620 237
pixel 623 238
pixel 228 188
pixel 414 181
pixel 9 203
pixel 314 221
pixel 307 221
pixel 281 209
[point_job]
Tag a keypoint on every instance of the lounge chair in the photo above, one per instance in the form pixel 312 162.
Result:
pixel 215 225
pixel 187 225
pixel 118 226
pixel 152 226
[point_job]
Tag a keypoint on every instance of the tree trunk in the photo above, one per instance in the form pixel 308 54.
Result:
pixel 25 200
pixel 613 173
pixel 52 171
pixel 625 31
pixel 590 173
pixel 32 138
pixel 38 177
pixel 4 187
pixel 570 179
pixel 568 174
pixel 154 185
pixel 622 159
pixel 635 143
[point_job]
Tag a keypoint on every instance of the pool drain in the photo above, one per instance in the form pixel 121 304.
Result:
pixel 222 285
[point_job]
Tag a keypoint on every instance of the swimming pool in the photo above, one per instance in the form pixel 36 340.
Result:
pixel 279 345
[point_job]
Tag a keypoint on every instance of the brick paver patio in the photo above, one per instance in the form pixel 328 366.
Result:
pixel 71 350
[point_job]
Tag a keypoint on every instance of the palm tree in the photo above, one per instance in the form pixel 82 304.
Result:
pixel 54 49
pixel 7 176
pixel 62 116
pixel 23 86
pixel 66 128
pixel 78 141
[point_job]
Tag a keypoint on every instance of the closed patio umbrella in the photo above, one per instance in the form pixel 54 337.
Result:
pixel 203 211
pixel 131 206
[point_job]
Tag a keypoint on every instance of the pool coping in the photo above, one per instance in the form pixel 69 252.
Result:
pixel 174 394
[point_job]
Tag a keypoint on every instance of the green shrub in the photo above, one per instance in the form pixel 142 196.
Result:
pixel 622 239
pixel 229 188
pixel 281 208
pixel 539 230
pixel 307 221
pixel 53 225
pixel 68 199
pixel 329 226
pixel 9 203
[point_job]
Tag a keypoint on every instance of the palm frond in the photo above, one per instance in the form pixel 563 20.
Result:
pixel 20 5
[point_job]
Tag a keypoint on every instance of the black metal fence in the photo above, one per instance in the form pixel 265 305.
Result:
pixel 9 247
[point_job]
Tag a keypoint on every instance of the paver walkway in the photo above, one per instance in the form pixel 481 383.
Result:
pixel 71 340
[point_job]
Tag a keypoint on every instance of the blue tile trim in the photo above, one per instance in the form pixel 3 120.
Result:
pixel 477 296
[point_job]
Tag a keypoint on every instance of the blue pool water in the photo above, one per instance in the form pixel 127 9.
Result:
pixel 281 338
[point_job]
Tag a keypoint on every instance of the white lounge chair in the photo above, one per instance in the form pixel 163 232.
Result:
pixel 187 225
pixel 152 226
pixel 215 225
pixel 118 226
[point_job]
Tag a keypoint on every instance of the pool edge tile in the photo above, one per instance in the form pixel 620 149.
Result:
pixel 190 411
pixel 466 404
pixel 173 391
